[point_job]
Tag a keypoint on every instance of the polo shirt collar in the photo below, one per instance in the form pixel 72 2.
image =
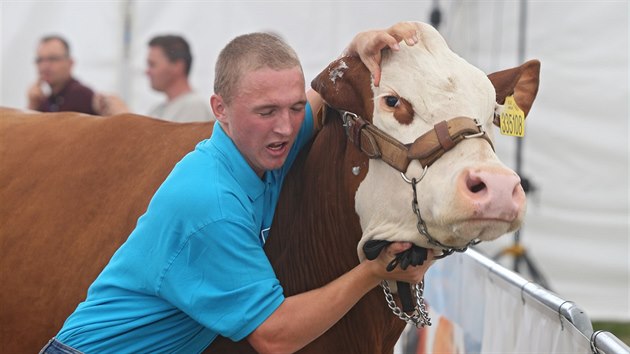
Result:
pixel 240 169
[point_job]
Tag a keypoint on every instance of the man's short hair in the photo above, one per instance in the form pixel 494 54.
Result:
pixel 175 48
pixel 55 37
pixel 250 52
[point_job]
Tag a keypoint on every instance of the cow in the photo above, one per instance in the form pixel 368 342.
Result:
pixel 409 160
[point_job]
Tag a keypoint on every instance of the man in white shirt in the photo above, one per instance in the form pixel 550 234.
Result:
pixel 168 65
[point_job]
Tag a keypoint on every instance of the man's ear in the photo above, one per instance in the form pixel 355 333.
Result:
pixel 521 81
pixel 218 108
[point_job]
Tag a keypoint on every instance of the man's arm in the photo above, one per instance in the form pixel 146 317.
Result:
pixel 302 318
pixel 108 105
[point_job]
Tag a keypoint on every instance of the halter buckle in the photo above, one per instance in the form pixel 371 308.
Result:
pixel 477 135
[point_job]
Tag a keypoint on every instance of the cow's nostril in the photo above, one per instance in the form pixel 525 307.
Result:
pixel 475 184
pixel 476 188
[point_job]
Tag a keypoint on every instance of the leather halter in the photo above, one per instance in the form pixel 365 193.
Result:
pixel 429 147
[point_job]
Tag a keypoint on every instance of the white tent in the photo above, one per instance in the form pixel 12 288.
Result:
pixel 576 147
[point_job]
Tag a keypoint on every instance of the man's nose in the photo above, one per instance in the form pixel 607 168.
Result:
pixel 283 123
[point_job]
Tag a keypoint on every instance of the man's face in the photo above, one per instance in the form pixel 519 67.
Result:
pixel 265 115
pixel 54 66
pixel 160 70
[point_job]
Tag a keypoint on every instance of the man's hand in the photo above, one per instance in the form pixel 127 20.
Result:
pixel 35 95
pixel 368 45
pixel 108 105
pixel 412 275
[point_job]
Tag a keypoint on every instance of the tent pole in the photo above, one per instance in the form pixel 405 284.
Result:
pixel 125 71
pixel 517 250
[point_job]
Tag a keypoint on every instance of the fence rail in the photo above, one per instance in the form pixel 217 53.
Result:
pixel 493 309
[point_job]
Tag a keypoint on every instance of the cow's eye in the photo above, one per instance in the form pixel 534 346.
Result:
pixel 391 101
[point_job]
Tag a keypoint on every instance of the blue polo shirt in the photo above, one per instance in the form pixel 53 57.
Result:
pixel 194 266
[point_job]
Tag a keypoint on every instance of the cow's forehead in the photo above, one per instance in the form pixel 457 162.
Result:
pixel 437 82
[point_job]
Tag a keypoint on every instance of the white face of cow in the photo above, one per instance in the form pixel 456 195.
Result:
pixel 467 193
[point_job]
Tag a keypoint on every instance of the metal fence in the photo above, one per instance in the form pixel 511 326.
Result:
pixel 469 289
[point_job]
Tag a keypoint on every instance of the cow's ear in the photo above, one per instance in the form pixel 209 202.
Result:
pixel 346 84
pixel 521 81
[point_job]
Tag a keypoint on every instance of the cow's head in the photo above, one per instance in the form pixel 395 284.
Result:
pixel 467 193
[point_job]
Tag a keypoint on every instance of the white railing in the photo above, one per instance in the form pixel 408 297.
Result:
pixel 479 306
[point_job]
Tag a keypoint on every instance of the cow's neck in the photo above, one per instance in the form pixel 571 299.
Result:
pixel 315 232
pixel 314 237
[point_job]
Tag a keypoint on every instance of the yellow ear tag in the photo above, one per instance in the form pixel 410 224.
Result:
pixel 512 118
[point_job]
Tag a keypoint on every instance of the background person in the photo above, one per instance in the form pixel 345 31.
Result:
pixel 56 89
pixel 169 61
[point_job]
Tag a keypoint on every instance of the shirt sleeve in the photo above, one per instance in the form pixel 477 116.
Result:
pixel 195 111
pixel 222 278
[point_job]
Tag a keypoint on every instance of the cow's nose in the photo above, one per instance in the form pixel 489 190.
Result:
pixel 493 193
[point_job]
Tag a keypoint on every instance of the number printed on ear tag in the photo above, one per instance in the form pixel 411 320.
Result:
pixel 512 118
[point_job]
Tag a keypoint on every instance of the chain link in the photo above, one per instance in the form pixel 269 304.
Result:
pixel 421 226
pixel 420 315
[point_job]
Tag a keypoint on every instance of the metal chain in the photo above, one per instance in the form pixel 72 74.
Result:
pixel 422 226
pixel 423 230
pixel 420 315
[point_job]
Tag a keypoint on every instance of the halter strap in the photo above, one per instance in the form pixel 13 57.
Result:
pixel 429 147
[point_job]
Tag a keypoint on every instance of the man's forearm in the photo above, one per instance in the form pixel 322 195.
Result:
pixel 304 317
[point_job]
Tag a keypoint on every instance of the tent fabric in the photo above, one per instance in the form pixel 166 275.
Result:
pixel 575 149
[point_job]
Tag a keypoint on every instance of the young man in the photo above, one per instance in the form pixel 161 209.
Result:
pixel 55 89
pixel 194 267
pixel 168 65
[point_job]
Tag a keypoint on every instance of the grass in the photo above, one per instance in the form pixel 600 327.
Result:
pixel 621 330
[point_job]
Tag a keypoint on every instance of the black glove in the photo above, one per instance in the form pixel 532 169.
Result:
pixel 414 256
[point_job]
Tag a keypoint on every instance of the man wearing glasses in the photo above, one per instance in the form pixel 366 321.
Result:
pixel 56 90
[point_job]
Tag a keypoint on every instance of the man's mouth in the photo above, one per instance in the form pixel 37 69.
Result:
pixel 277 147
